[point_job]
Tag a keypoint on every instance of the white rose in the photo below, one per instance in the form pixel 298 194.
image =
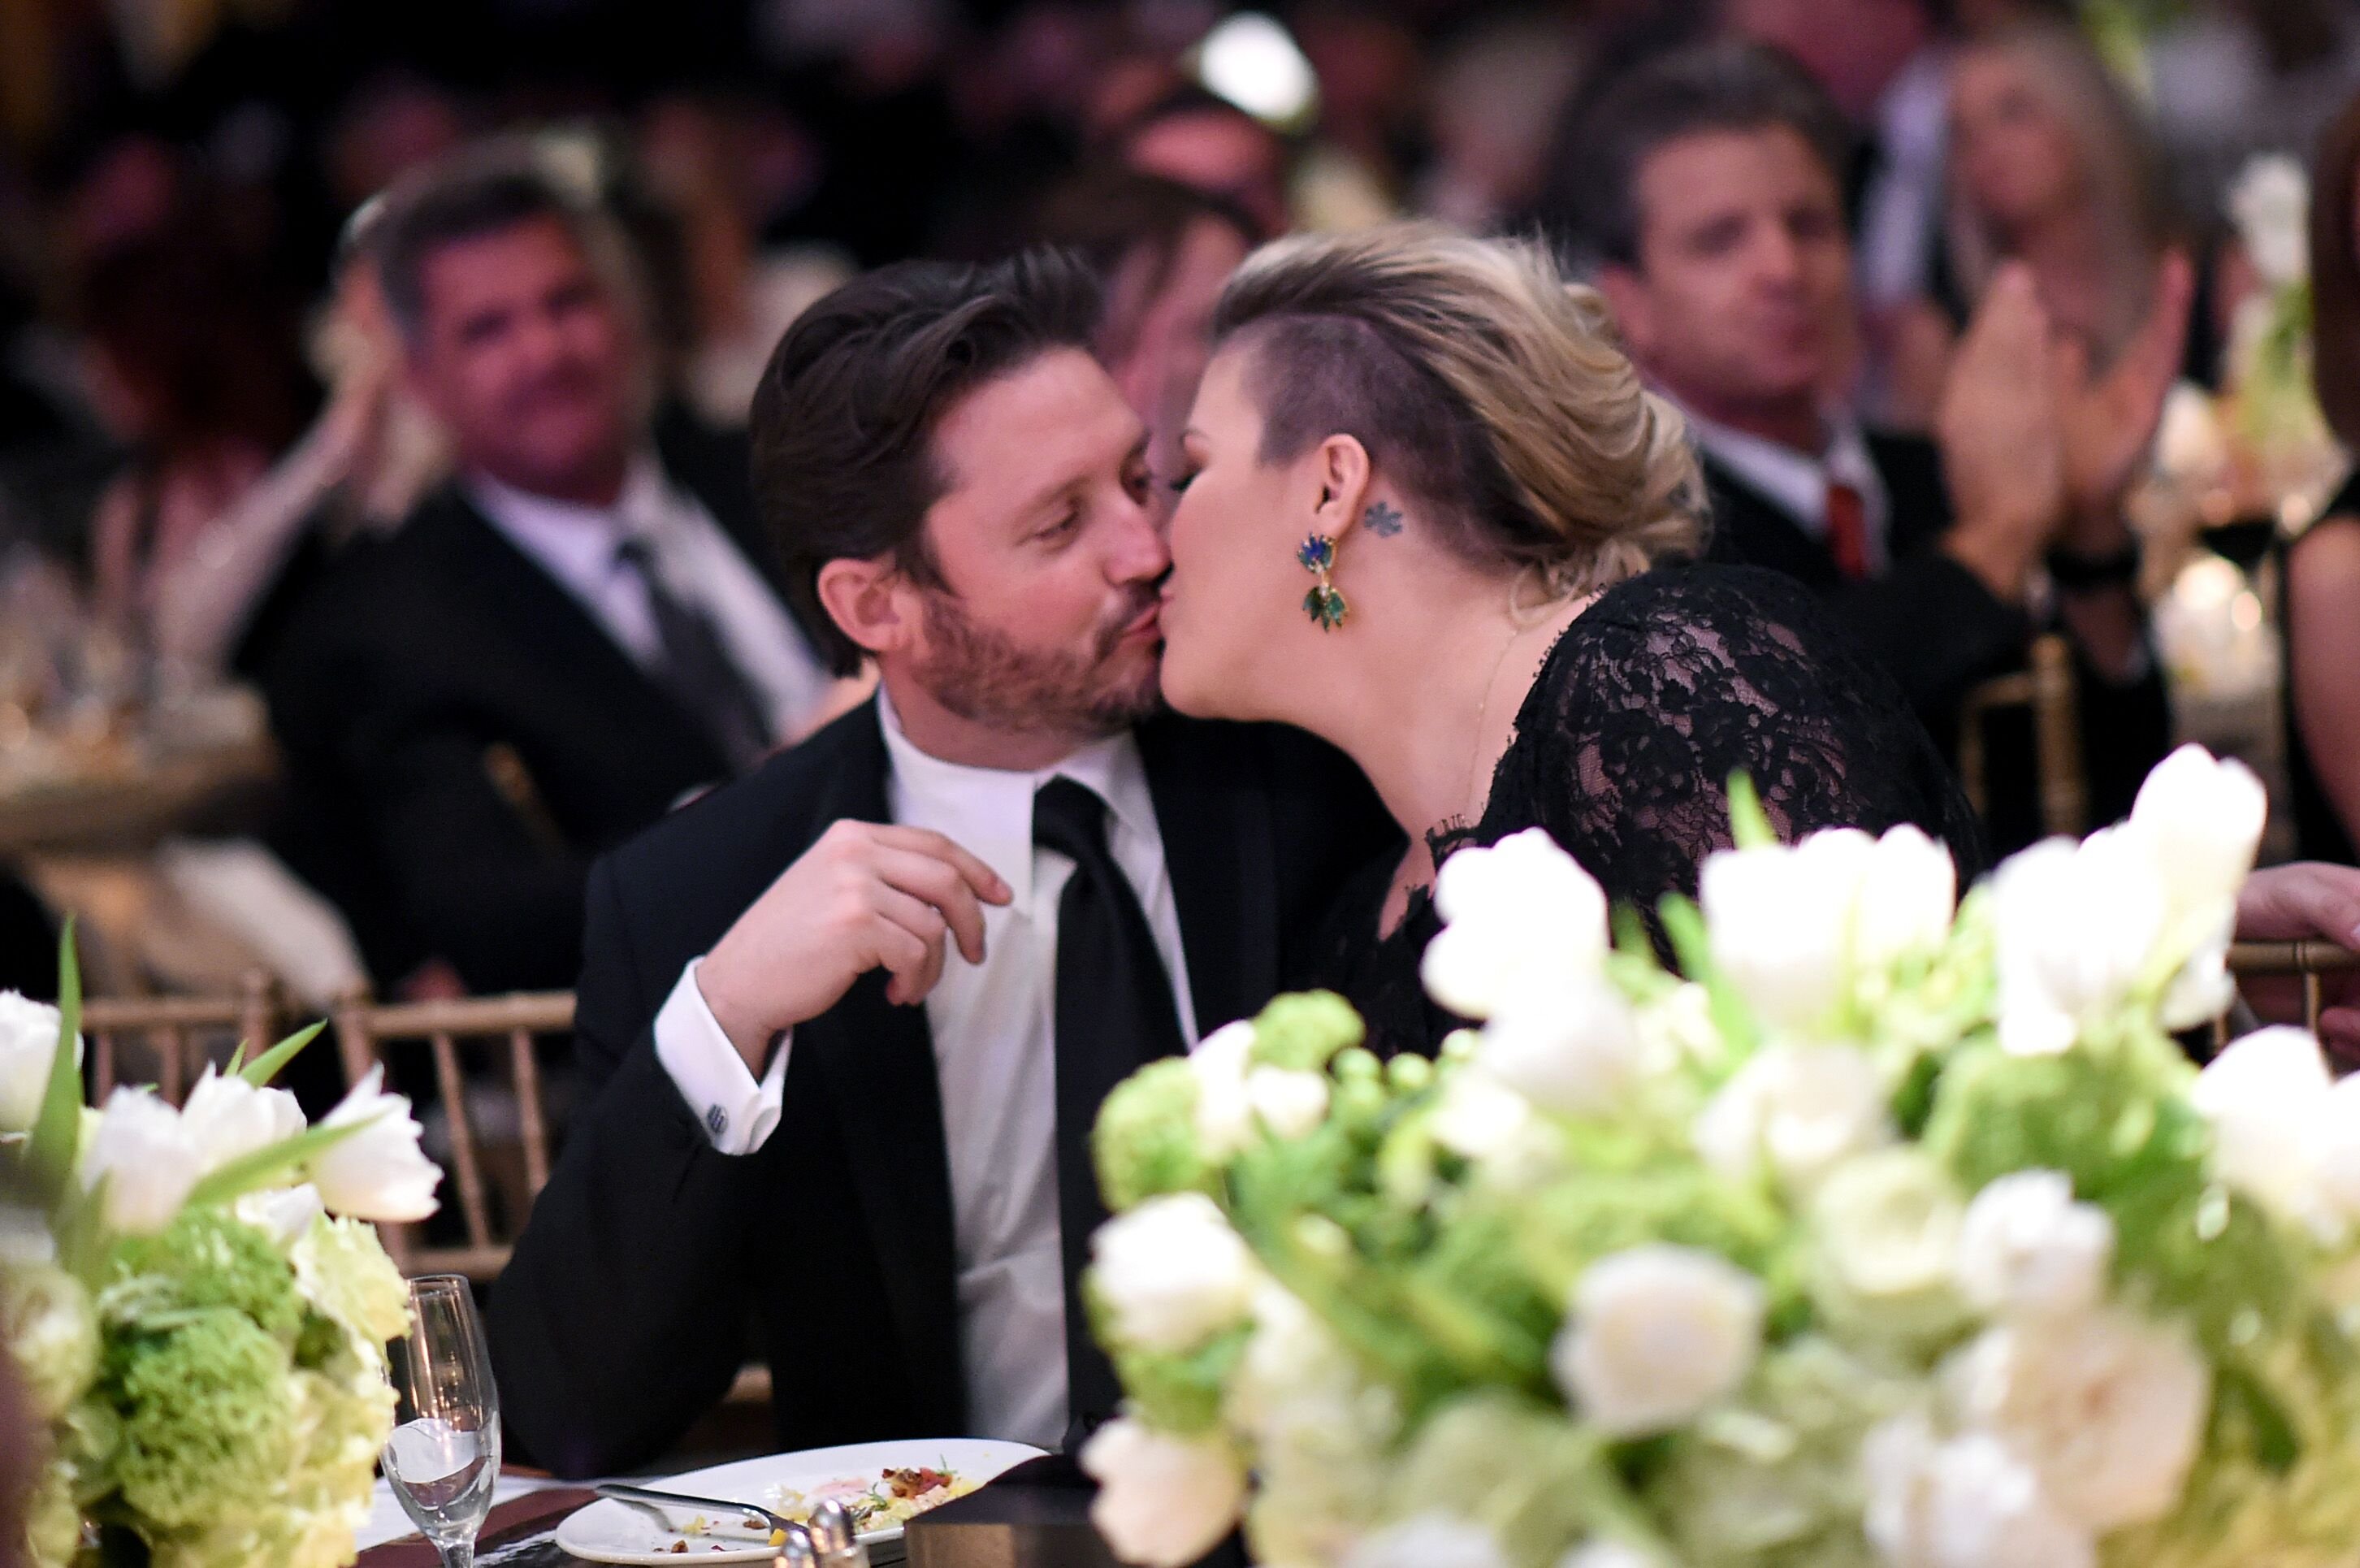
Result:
pixel 377 1173
pixel 1478 1116
pixel 1430 1541
pixel 2270 203
pixel 1966 1503
pixel 28 1048
pixel 2267 1096
pixel 282 1213
pixel 228 1118
pixel 1520 914
pixel 2077 925
pixel 1172 1272
pixel 1162 1500
pixel 1656 1334
pixel 2027 1249
pixel 1884 1240
pixel 1291 1104
pixel 1908 894
pixel 146 1157
pixel 1608 1555
pixel 1573 1048
pixel 1780 920
pixel 2108 1409
pixel 1803 1108
pixel 1224 1115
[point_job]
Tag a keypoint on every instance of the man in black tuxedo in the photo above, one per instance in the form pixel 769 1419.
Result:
pixel 555 648
pixel 854 1016
pixel 1716 207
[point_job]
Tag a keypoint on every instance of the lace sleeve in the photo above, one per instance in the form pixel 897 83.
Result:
pixel 1674 681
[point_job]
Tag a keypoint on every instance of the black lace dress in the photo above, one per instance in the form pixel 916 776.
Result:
pixel 1652 699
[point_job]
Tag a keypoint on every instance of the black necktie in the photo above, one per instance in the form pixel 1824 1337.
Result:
pixel 1114 1014
pixel 696 670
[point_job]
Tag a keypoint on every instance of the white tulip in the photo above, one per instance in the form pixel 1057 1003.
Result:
pixel 2027 1249
pixel 282 1213
pixel 2205 818
pixel 377 1173
pixel 2108 1409
pixel 1162 1500
pixel 1521 913
pixel 1780 918
pixel 2267 1098
pixel 1289 1103
pixel 2077 925
pixel 229 1118
pixel 1573 1048
pixel 2271 205
pixel 1966 1503
pixel 2338 1142
pixel 1172 1272
pixel 28 1048
pixel 1430 1541
pixel 1803 1108
pixel 1478 1116
pixel 147 1157
pixel 1908 894
pixel 1656 1336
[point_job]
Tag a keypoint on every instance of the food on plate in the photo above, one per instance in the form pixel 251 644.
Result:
pixel 893 1496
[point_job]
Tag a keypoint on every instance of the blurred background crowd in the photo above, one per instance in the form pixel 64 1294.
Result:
pixel 238 611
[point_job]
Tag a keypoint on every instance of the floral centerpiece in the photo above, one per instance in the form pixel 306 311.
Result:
pixel 1886 1230
pixel 197 1301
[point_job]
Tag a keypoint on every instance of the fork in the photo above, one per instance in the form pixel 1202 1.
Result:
pixel 776 1523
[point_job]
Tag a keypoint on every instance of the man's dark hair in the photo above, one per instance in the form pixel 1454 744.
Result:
pixel 1729 85
pixel 479 192
pixel 844 421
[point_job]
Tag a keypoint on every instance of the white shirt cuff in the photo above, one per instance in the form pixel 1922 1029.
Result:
pixel 737 1114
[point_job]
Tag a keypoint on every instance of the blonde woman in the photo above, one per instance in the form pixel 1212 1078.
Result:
pixel 1424 502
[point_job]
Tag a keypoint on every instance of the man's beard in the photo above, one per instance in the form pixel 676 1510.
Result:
pixel 985 677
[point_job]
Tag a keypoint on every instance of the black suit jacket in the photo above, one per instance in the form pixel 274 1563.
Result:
pixel 652 1265
pixel 463 738
pixel 1939 631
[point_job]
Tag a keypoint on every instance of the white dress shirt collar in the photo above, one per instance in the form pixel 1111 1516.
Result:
pixel 575 542
pixel 1798 482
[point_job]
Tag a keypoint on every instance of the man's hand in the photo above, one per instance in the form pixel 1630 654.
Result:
pixel 867 895
pixel 2109 421
pixel 1998 430
pixel 2307 901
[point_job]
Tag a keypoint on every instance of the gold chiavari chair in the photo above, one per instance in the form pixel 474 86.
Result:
pixel 2045 687
pixel 367 1035
pixel 168 1039
pixel 2310 961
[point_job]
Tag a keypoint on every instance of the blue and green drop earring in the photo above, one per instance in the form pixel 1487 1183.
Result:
pixel 1323 604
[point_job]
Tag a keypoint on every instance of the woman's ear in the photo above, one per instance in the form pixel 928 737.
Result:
pixel 1345 477
pixel 871 602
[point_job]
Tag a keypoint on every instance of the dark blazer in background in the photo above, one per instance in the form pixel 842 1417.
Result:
pixel 463 738
pixel 1939 631
pixel 653 1265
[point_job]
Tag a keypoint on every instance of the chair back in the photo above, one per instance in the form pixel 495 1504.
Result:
pixel 2306 960
pixel 366 1035
pixel 2045 687
pixel 168 1039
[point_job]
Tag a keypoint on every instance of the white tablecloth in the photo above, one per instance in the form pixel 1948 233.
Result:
pixel 387 1522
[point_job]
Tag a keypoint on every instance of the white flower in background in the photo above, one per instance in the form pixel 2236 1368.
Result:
pixel 147 1157
pixel 1609 1554
pixel 2203 989
pixel 2077 925
pixel 29 1048
pixel 2270 205
pixel 1319 1431
pixel 1908 894
pixel 1478 1116
pixel 2276 1125
pixel 1965 1503
pixel 228 1118
pixel 2108 1409
pixel 1288 1102
pixel 283 1214
pixel 1430 1541
pixel 2205 818
pixel 1885 1239
pixel 1224 1114
pixel 1803 1108
pixel 1172 1272
pixel 1780 919
pixel 1162 1500
pixel 1521 913
pixel 378 1173
pixel 1574 1052
pixel 2338 1136
pixel 1656 1334
pixel 2027 1249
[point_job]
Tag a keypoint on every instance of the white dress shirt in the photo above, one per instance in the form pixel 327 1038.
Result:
pixel 579 545
pixel 1798 482
pixel 993 1025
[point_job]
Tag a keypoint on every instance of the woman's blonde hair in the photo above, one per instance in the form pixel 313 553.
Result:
pixel 1481 381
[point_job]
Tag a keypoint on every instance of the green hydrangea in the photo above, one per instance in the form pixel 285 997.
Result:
pixel 1145 1141
pixel 207 1258
pixel 340 1425
pixel 1179 1393
pixel 342 1270
pixel 1571 1224
pixel 48 1321
pixel 1304 1030
pixel 205 1407
pixel 1540 1482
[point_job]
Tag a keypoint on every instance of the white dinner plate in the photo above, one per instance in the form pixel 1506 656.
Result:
pixel 611 1532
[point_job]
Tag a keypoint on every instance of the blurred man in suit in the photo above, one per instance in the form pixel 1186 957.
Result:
pixel 1716 208
pixel 556 647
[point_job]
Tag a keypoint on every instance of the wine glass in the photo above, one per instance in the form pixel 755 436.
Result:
pixel 445 1454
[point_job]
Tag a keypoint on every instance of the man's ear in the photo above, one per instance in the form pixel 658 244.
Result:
pixel 1627 300
pixel 871 602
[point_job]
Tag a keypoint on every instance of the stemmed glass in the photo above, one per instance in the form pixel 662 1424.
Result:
pixel 445 1454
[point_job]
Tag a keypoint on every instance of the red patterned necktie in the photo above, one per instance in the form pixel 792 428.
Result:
pixel 1848 528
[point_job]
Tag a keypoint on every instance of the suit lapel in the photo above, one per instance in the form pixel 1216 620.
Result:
pixel 1213 811
pixel 1750 529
